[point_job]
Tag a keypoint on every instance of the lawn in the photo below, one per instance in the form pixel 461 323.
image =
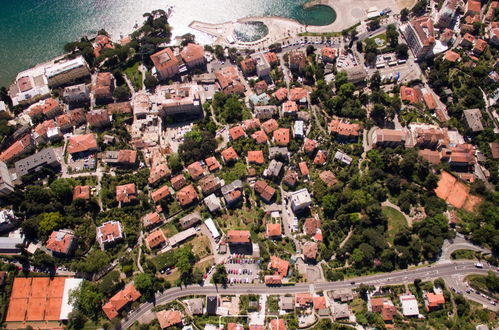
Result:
pixel 381 36
pixel 396 221
pixel 463 254
pixel 240 219
pixel 201 246
pixel 479 282
pixel 358 305
pixel 135 76
pixel 169 229
pixel 203 265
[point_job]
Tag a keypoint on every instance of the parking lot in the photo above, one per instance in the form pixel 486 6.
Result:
pixel 242 269
pixel 82 164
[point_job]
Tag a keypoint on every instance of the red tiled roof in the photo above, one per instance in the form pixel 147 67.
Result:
pixel 265 191
pixel 409 94
pixel 156 238
pixel 480 46
pixel 16 149
pixel 195 170
pixel 452 56
pixel 60 242
pixel 178 181
pixel 261 86
pixel 273 229
pixel 271 57
pixel 119 300
pixel 277 324
pixel 309 145
pixel 303 299
pixel 311 225
pixel 320 303
pixel 289 107
pixel 81 143
pixel 270 125
pixel 329 53
pixel 238 236
pixel 297 93
pixel 212 164
pixel 281 136
pixel 279 265
pixel 435 300
pixel 237 132
pixel 168 318
pixel 344 129
pixel 320 158
pixel 126 193
pixel 248 65
pixel 160 193
pixel 192 53
pixel 151 219
pixel 256 157
pixel 259 137
pixel 82 192
pixel 251 124
pixel 310 250
pixel 229 154
pixel 281 94
pixel 164 59
pixel 303 168
pixel 187 195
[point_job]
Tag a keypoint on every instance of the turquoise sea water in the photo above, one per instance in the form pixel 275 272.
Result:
pixel 34 31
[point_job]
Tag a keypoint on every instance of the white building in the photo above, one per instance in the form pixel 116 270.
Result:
pixel 66 71
pixel 409 305
pixel 6 185
pixel 262 65
pixel 212 228
pixel 300 199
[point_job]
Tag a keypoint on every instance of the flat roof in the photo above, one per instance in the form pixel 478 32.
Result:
pixel 211 226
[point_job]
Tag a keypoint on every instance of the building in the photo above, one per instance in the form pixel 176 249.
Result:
pixel 155 239
pixel 196 171
pixel 195 305
pixel 410 95
pixel 281 136
pixel 290 178
pixel 64 72
pixel 11 245
pixel 41 300
pixel 265 191
pixel 229 81
pixel 343 158
pixel 81 144
pixel 120 158
pixel 340 311
pixel 310 250
pixel 166 63
pixel 18 148
pixel 151 220
pixel 82 192
pixel 473 120
pixel 103 88
pixel 193 55
pixel 409 305
pixel 160 194
pixel 120 301
pixel 299 95
pixel 7 220
pixel 109 233
pixel 356 74
pixel 187 196
pixel 433 301
pixel 259 137
pixel 383 306
pixel 236 237
pixel 229 155
pixel 50 108
pixel 274 169
pixel 178 182
pixel 46 158
pixel 262 64
pixel 277 324
pixel 480 46
pixel 420 36
pixel 263 112
pixel 189 220
pixel 388 137
pixel 303 168
pixel 6 185
pixel 343 130
pixel 169 318
pixel 98 118
pixel 61 242
pixel 299 129
pixel 472 8
pixel 311 226
pixel 237 132
pixel 76 95
pixel 343 295
pixel 452 56
pixel 212 163
pixel 300 199
pixel 273 231
pixel 211 305
pixel 256 157
pixel 297 61
pixel 126 193
pixel 287 303
pixel 320 306
pixel 181 237
pixel 210 184
pixel 233 192
pixel 248 66
pixel 178 99
pixel 212 202
pixel 446 14
pixel 328 54
pixel 64 122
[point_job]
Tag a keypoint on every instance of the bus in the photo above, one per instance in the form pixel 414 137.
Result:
pixel 380 66
pixel 392 63
pixel 401 61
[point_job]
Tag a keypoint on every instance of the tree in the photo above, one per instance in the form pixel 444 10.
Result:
pixel 392 35
pixel 87 300
pixel 150 81
pixel 310 50
pixel 404 14
pixel 375 81
pixel 402 50
pixel 219 52
pixel 122 93
pixel 374 24
pixel 49 222
pixel 220 276
pixel 76 320
pixel 144 282
pixel 62 190
pixel 188 38
pixel 175 163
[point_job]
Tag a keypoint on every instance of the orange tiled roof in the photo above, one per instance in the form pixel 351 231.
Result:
pixel 251 124
pixel 212 164
pixel 187 195
pixel 277 324
pixel 151 219
pixel 480 46
pixel 270 125
pixel 289 107
pixel 126 193
pixel 409 94
pixel 178 181
pixel 156 238
pixel 82 192
pixel 309 145
pixel 260 137
pixel 119 300
pixel 164 59
pixel 237 132
pixel 81 143
pixel 452 56
pixel 281 94
pixel 265 191
pixel 168 318
pixel 16 149
pixel 238 236
pixel 297 93
pixel 343 128
pixel 303 299
pixel 273 229
pixel 229 154
pixel 271 57
pixel 256 157
pixel 311 225
pixel 195 170
pixel 320 158
pixel 320 303
pixel 60 242
pixel 192 53
pixel 160 193
pixel 279 265
pixel 303 168
pixel 281 136
pixel 430 101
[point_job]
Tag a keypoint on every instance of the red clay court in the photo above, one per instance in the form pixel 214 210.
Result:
pixel 36 299
pixel 456 193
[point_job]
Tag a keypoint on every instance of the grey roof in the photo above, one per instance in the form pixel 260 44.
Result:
pixel 45 157
pixel 212 202
pixel 340 311
pixel 474 119
pixel 189 220
pixel 274 168
pixel 276 151
pixel 265 111
pixel 195 305
pixel 356 73
pixel 342 157
pixel 237 184
pixel 287 303
pixel 9 243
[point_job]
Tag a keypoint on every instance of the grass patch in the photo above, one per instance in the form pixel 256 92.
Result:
pixel 381 36
pixel 396 221
pixel 203 265
pixel 169 229
pixel 358 305
pixel 201 246
pixel 463 254
pixel 483 283
pixel 135 76
pixel 240 219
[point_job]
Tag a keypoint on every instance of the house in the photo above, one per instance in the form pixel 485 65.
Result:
pixel 328 54
pixel 82 192
pixel 264 111
pixel 280 266
pixel 187 195
pixel 299 129
pixel 328 178
pixel 259 137
pixel 261 87
pixel 270 125
pixel 109 233
pixel 103 88
pixel 76 95
pixel 178 182
pixel 297 61
pixel 309 146
pixel 6 185
pixel 102 41
pixel 61 243
pixel 81 144
pixel 160 194
pixel 120 108
pixel 272 58
pixel 120 158
pixel 311 226
pixel 189 220
pixel 126 193
pixel 447 37
pixel 193 55
pixel 289 108
pixel 46 131
pixel 236 237
pixel 66 71
pixel 229 155
pixel 420 36
pixel 248 66
pixel 158 172
pixel 479 46
pixel 300 199
pixel 494 150
pixel 452 56
pixel 340 311
pixel 274 169
pixel 303 168
pixel 343 130
pixel 212 164
pixel 273 280
pixel 155 239
pixel 229 81
pixel 265 191
pixel 303 300
pixel 151 219
pixel 409 305
pixel 432 156
pixel 166 63
pixel 320 158
pixel 290 178
pixel 410 95
pixel 18 148
pixel 383 306
pixel 98 118
pixel 195 305
pixel 211 305
pixel 310 250
pixel 472 8
pixel 473 120
pixel 178 100
pixel 388 137
pixel 212 203
pixel 77 117
pixel 343 295
pixel 446 14
pixel 237 132
pixel 120 300
pixel 263 65
pixel 234 326
pixel 251 124
pixel 278 152
pixel 320 306
pixel 356 74
pixel 467 40
pixel 287 303
pixel 299 95
pixel 169 318
pixel 232 192
pixel 64 122
pixel 195 170
pixel 45 158
pixel 50 108
pixel 433 301
pixel 210 184
pixel 281 136
pixel 281 94
pixel 256 157
pixel 273 231
pixel 342 157
pixel 277 324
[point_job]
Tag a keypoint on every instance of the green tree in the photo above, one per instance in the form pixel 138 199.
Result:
pixel 220 276
pixel 144 282
pixel 374 24
pixel 175 163
pixel 87 300
pixel 62 190
pixel 402 50
pixel 49 222
pixel 392 35
pixel 150 81
pixel 122 93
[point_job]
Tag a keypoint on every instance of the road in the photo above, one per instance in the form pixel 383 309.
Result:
pixel 443 270
pixel 458 243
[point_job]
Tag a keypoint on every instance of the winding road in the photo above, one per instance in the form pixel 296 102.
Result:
pixel 444 270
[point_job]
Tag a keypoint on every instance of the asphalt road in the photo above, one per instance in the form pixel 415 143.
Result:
pixel 443 270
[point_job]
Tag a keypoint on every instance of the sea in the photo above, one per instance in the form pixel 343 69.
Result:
pixel 33 31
